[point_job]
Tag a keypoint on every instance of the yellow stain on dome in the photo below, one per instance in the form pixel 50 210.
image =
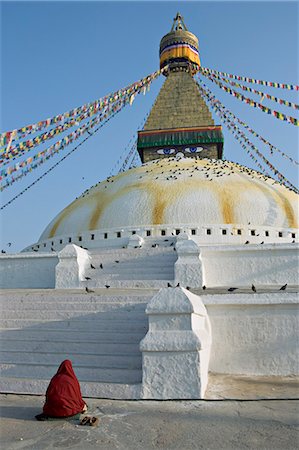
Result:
pixel 105 200
pixel 226 206
pixel 64 214
pixel 163 193
pixel 285 204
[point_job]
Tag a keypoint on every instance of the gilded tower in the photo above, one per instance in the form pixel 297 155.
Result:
pixel 180 121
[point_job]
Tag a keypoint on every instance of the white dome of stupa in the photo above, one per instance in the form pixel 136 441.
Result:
pixel 175 192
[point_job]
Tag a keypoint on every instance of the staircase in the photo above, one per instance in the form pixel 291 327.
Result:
pixel 99 332
pixel 147 267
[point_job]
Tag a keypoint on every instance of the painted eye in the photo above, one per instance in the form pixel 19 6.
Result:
pixel 194 149
pixel 166 151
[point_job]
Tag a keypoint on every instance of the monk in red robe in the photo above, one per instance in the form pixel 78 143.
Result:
pixel 63 396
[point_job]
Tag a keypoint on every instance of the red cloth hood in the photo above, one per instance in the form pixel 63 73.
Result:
pixel 63 396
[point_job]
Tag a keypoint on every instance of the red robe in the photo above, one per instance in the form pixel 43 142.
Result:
pixel 63 396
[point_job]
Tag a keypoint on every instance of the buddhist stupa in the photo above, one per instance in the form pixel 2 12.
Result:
pixel 159 276
pixel 183 183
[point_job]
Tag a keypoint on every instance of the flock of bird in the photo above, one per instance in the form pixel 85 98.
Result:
pixel 169 285
pixel 172 169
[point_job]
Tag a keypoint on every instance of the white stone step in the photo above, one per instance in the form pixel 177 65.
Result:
pixel 54 335
pixel 100 332
pixel 75 324
pixel 42 314
pixel 118 391
pixel 85 345
pixel 95 374
pixel 78 306
pixel 112 361
pixel 77 295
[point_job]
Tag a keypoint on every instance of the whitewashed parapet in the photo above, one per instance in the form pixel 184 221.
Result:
pixel 226 234
pixel 135 241
pixel 188 267
pixel 255 334
pixel 176 349
pixel 267 264
pixel 28 271
pixel 73 262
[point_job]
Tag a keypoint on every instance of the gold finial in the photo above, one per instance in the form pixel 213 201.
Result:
pixel 178 23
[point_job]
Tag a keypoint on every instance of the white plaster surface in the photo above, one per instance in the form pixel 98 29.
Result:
pixel 247 264
pixel 175 351
pixel 203 234
pixel 28 270
pixel 73 263
pixel 100 333
pixel 151 194
pixel 135 241
pixel 254 334
pixel 217 266
pixel 188 267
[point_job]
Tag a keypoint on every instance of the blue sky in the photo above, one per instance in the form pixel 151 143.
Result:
pixel 59 55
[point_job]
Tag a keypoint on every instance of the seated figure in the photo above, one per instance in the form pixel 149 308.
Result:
pixel 63 396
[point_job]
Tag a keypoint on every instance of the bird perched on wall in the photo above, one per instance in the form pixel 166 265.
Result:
pixel 178 285
pixel 283 288
pixel 107 286
pixel 204 287
pixel 253 288
pixel 89 291
pixel 169 285
pixel 101 266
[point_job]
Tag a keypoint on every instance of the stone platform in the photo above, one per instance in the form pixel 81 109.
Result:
pixel 132 425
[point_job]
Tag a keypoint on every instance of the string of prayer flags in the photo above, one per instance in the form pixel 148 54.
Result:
pixel 257 135
pixel 249 89
pixel 9 182
pixel 131 152
pixel 239 135
pixel 19 149
pixel 31 163
pixel 136 161
pixel 133 138
pixel 92 107
pixel 254 104
pixel 43 156
pixel 292 87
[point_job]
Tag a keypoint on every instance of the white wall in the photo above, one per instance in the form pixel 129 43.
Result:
pixel 28 270
pixel 266 264
pixel 254 334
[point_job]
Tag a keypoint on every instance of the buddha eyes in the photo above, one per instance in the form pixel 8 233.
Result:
pixel 170 151
pixel 193 149
pixel 166 151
